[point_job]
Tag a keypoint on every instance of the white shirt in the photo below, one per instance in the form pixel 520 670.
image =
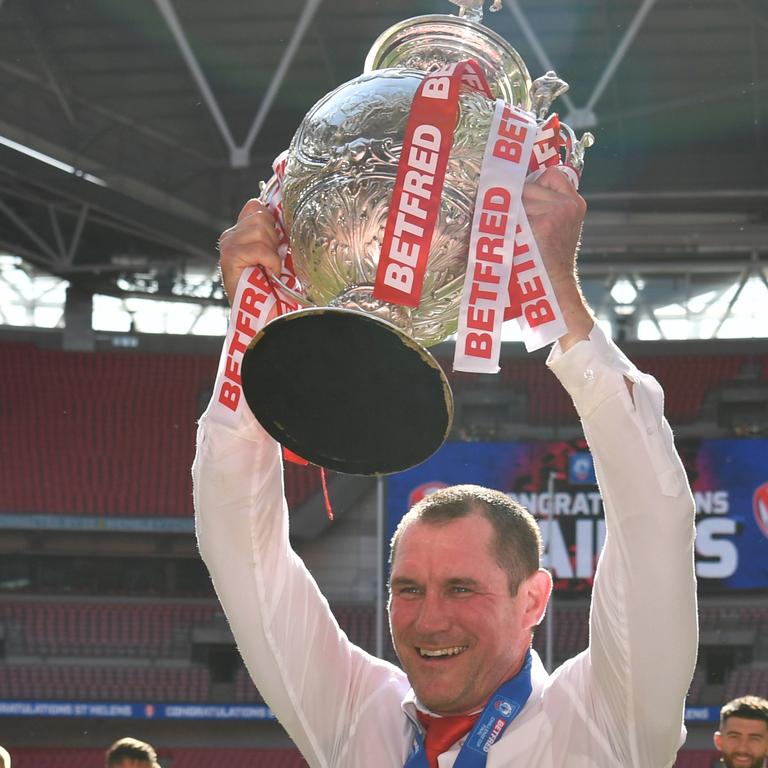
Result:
pixel 619 703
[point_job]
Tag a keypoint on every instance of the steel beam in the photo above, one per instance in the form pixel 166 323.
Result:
pixel 172 20
pixel 619 53
pixel 514 8
pixel 28 231
pixel 78 233
pixel 240 160
pixel 742 282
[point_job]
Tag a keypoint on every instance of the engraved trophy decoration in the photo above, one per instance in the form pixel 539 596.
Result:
pixel 346 381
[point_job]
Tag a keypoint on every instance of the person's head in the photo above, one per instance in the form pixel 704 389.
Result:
pixel 743 735
pixel 466 592
pixel 131 753
pixel 5 758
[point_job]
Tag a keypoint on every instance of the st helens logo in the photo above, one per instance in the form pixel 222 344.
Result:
pixel 761 508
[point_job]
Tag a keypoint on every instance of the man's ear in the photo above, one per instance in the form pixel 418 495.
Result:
pixel 538 587
pixel 718 739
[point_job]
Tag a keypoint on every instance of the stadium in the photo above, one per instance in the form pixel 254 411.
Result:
pixel 130 137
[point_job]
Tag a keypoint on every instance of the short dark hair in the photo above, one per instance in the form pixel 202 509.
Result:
pixel 517 539
pixel 748 707
pixel 131 749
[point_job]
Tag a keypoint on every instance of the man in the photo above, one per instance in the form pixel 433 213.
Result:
pixel 464 599
pixel 131 753
pixel 743 736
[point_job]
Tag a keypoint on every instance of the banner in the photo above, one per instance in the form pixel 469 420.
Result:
pixel 11 708
pixel 729 479
pixel 133 710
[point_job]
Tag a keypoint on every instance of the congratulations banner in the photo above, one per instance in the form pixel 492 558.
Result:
pixel 128 709
pixel 729 479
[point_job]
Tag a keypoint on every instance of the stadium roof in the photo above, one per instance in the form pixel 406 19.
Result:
pixel 163 115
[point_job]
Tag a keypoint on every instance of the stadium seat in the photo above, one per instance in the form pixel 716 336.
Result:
pixel 182 757
pixel 696 758
pixel 114 437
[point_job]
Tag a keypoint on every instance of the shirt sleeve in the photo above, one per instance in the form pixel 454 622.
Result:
pixel 316 682
pixel 643 621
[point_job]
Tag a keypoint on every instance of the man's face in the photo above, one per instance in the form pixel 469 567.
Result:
pixel 743 742
pixel 457 630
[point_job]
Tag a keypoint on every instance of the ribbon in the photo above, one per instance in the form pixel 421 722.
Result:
pixel 498 208
pixel 415 202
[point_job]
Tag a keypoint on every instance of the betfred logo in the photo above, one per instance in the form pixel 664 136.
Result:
pixel 760 503
pixel 418 493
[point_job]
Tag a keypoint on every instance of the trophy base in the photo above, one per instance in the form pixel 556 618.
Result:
pixel 348 391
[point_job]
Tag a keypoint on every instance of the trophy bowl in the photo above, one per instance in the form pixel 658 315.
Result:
pixel 347 382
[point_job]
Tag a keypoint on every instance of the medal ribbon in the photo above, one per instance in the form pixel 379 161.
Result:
pixel 502 708
pixel 415 202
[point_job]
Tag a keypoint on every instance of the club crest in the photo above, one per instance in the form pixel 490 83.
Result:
pixel 760 501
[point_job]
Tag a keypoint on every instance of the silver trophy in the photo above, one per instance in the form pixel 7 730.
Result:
pixel 347 382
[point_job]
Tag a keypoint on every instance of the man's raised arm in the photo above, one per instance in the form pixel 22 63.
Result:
pixel 317 682
pixel 643 629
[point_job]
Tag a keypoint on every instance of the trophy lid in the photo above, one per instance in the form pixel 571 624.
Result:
pixel 424 42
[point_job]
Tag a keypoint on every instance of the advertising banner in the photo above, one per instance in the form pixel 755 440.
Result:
pixel 729 479
pixel 134 710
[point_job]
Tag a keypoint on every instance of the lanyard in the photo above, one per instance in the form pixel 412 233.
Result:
pixel 502 708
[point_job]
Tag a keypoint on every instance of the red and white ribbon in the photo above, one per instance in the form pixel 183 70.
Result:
pixel 415 202
pixel 255 302
pixel 506 277
pixel 498 208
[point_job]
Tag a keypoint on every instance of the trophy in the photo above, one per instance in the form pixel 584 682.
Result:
pixel 346 381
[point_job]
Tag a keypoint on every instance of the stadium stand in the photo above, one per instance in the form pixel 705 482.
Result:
pixel 101 628
pixel 724 616
pixel 169 757
pixel 571 635
pixel 87 682
pixel 746 679
pixel 234 758
pixel 697 686
pixel 245 690
pixel 686 380
pixel 149 630
pixel 696 758
pixel 116 435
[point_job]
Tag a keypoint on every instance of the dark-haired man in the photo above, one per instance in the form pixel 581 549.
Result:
pixel 465 598
pixel 131 753
pixel 743 736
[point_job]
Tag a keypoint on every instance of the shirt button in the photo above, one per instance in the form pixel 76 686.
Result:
pixel 589 374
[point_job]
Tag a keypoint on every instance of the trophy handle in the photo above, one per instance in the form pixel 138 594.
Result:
pixel 297 297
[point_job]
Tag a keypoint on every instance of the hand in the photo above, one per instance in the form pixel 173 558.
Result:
pixel 251 242
pixel 556 212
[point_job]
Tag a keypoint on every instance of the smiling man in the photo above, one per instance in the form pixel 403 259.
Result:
pixel 743 735
pixel 467 589
pixel 462 617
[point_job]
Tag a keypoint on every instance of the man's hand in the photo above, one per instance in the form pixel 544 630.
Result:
pixel 251 242
pixel 556 212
